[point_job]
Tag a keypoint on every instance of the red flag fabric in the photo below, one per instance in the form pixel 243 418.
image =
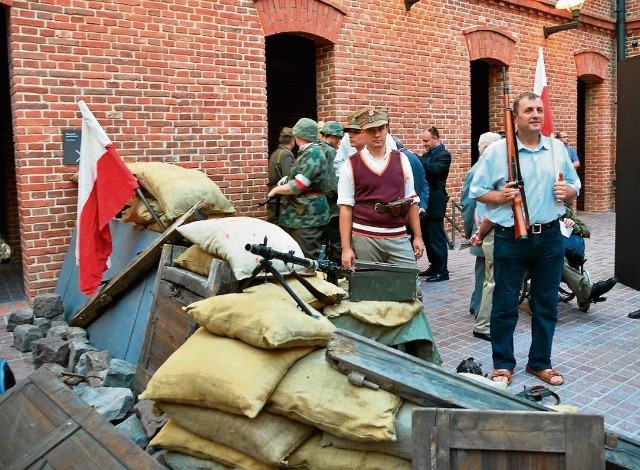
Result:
pixel 105 184
pixel 541 89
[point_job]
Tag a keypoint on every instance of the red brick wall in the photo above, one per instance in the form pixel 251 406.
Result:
pixel 185 83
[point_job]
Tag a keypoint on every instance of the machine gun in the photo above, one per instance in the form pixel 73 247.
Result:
pixel 267 253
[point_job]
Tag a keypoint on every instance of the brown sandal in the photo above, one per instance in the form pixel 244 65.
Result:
pixel 549 376
pixel 497 373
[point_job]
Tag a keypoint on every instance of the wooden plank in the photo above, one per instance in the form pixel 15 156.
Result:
pixel 415 380
pixel 119 283
pixel 54 428
pixel 473 439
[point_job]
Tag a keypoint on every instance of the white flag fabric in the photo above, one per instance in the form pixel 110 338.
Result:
pixel 105 184
pixel 542 89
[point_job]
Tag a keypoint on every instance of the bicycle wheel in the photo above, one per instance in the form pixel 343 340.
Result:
pixel 525 290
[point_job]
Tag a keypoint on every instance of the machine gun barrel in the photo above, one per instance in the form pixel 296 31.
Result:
pixel 269 253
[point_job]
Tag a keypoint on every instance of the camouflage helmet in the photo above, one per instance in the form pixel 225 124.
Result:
pixel 332 128
pixel 306 129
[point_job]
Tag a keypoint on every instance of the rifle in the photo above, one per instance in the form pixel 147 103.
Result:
pixel 520 210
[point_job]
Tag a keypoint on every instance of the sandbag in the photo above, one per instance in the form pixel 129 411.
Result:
pixel 177 439
pixel 401 447
pixel 315 393
pixel 311 456
pixel 196 260
pixel 178 189
pixel 376 312
pixel 222 373
pixel 264 316
pixel 267 437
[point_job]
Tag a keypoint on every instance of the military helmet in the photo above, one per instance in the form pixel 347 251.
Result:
pixel 306 129
pixel 332 128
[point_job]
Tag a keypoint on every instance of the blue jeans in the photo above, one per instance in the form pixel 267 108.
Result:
pixel 541 255
pixel 574 249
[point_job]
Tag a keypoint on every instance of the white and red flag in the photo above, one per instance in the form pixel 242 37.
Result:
pixel 541 89
pixel 105 184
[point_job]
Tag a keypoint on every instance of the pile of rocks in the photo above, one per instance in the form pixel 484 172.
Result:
pixel 103 382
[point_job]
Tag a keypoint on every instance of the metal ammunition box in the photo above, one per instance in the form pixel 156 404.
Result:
pixel 382 281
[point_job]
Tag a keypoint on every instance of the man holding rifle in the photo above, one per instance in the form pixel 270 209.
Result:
pixel 544 169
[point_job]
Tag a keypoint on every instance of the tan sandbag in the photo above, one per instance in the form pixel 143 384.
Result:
pixel 319 283
pixel 177 439
pixel 264 316
pixel 178 189
pixel 222 373
pixel 138 213
pixel 377 312
pixel 401 447
pixel 315 393
pixel 196 260
pixel 226 238
pixel 311 456
pixel 267 437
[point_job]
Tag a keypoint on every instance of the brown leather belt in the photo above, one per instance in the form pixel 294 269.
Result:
pixel 379 207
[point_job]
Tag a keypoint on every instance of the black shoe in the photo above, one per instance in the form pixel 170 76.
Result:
pixel 484 336
pixel 427 272
pixel 635 314
pixel 438 277
pixel 602 287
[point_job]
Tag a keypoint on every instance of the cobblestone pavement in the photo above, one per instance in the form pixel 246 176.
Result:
pixel 598 352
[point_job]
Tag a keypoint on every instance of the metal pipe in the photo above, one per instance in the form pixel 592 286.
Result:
pixel 621 26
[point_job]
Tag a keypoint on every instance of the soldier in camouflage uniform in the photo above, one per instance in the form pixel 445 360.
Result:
pixel 280 162
pixel 305 211
pixel 332 132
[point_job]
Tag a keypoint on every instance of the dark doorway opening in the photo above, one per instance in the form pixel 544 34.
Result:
pixel 581 138
pixel 479 104
pixel 9 224
pixel 291 82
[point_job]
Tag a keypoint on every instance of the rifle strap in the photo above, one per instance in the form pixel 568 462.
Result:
pixel 322 297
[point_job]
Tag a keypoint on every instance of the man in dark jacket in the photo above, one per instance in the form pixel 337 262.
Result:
pixel 436 162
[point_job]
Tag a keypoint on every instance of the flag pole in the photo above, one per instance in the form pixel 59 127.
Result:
pixel 150 209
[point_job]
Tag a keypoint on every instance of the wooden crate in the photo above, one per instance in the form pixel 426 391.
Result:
pixel 504 440
pixel 168 326
pixel 45 425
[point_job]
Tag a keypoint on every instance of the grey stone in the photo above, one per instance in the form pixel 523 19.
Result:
pixel 75 332
pixel 112 403
pixel 47 305
pixel 57 332
pixel 50 350
pixel 151 421
pixel 120 374
pixel 55 322
pixel 24 336
pixel 92 361
pixel 177 461
pixel 44 324
pixel 59 318
pixel 132 428
pixel 19 317
pixel 76 350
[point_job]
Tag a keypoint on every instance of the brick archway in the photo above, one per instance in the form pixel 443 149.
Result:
pixel 317 18
pixel 490 44
pixel 591 65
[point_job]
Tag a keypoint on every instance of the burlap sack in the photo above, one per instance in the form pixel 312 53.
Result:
pixel 319 283
pixel 178 189
pixel 222 373
pixel 196 260
pixel 311 456
pixel 264 316
pixel 401 447
pixel 267 437
pixel 376 312
pixel 138 213
pixel 226 238
pixel 177 439
pixel 315 393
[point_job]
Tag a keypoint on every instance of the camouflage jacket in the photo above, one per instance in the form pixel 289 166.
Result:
pixel 332 190
pixel 280 162
pixel 580 227
pixel 309 180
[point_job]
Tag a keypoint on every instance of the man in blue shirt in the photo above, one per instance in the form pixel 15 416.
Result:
pixel 542 161
pixel 573 155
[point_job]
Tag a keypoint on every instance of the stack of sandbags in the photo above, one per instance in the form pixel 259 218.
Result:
pixel 172 191
pixel 252 389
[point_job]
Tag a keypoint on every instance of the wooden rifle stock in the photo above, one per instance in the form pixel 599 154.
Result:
pixel 520 212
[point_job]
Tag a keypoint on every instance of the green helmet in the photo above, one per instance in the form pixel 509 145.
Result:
pixel 332 128
pixel 306 129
